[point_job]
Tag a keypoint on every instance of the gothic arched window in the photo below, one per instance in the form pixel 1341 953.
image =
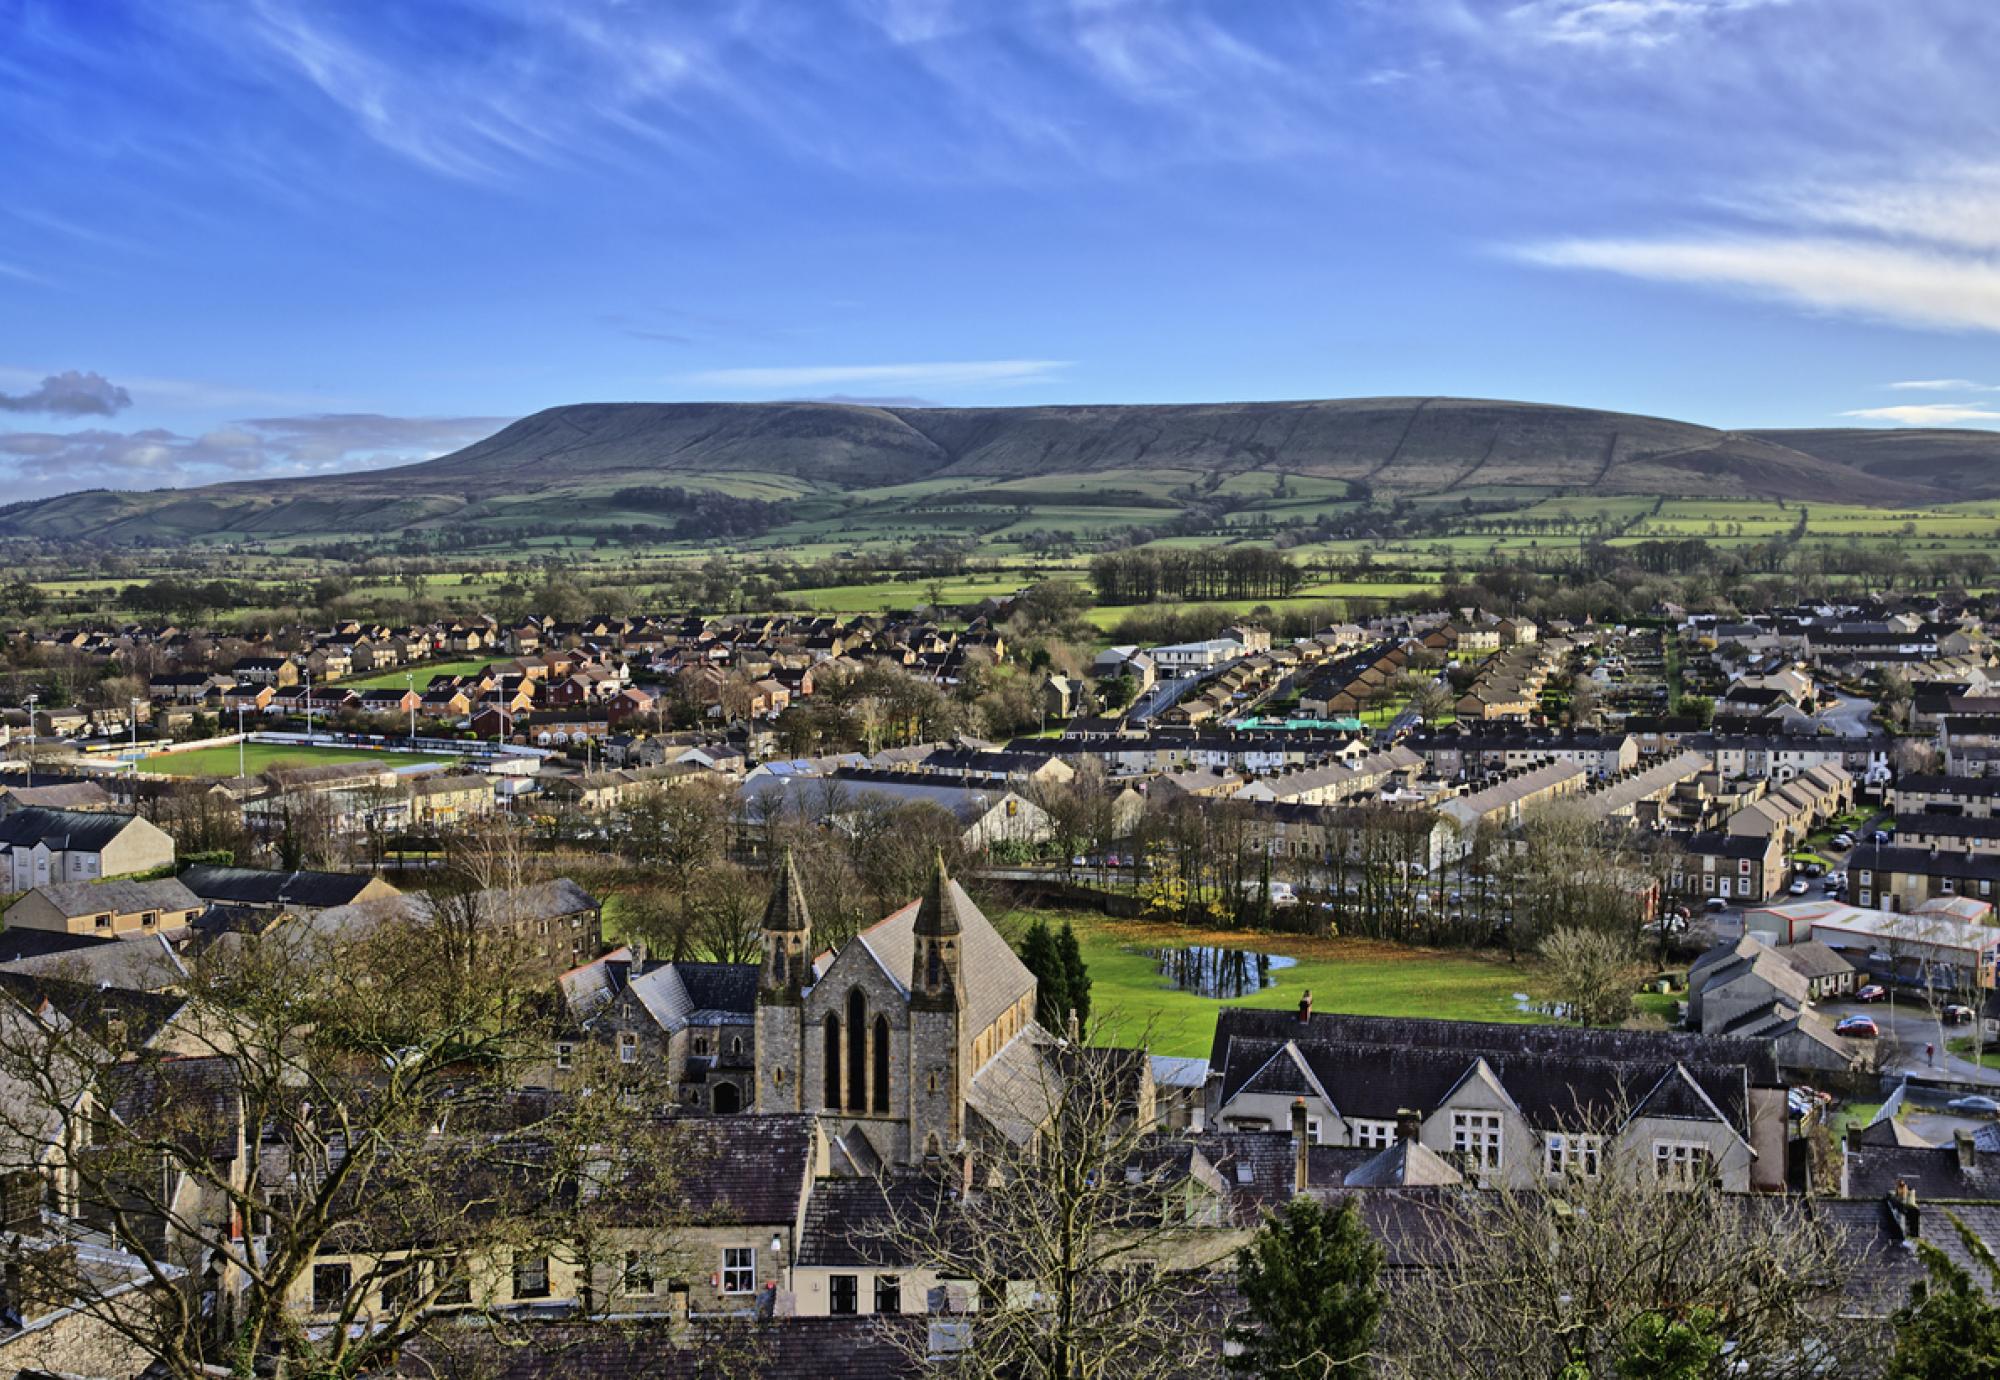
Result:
pixel 832 1062
pixel 857 1051
pixel 881 1063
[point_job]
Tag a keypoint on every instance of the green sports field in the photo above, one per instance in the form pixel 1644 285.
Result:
pixel 260 757
pixel 421 670
pixel 1359 976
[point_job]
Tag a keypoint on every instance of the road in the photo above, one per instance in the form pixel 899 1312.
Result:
pixel 1848 717
pixel 1908 1027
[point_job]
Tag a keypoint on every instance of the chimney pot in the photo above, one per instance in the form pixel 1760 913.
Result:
pixel 1305 1006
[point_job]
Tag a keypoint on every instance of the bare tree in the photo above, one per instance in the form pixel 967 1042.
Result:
pixel 1522 1284
pixel 332 1127
pixel 1591 973
pixel 1078 1235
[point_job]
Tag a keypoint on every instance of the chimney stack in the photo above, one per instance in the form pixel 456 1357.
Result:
pixel 1968 1152
pixel 1854 1130
pixel 1305 1006
pixel 1408 1121
pixel 1301 1147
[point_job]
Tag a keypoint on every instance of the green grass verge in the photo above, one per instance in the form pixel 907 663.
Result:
pixel 260 757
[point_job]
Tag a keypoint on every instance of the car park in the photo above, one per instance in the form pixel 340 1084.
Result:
pixel 1974 1104
pixel 1858 1028
pixel 1873 991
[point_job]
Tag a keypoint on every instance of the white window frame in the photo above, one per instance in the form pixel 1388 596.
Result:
pixel 1373 1135
pixel 1564 1150
pixel 628 1047
pixel 739 1270
pixel 1682 1162
pixel 1480 1134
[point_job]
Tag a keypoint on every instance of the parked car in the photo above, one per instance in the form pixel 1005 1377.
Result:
pixel 1715 903
pixel 1858 1028
pixel 1957 1014
pixel 1974 1104
pixel 1843 840
pixel 1881 836
pixel 1798 887
pixel 1815 870
pixel 1873 991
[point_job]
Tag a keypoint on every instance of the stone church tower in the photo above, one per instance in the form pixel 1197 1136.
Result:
pixel 782 977
pixel 938 1053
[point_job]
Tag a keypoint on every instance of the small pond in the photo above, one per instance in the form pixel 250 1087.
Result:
pixel 1210 971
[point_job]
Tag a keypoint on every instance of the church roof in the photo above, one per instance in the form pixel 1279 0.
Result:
pixel 992 977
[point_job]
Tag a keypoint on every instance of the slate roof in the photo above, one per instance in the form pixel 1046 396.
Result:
pixel 19 944
pixel 84 831
pixel 145 964
pixel 1372 1067
pixel 268 887
pixel 745 1169
pixel 118 895
pixel 92 1007
pixel 1406 1164
pixel 1873 1171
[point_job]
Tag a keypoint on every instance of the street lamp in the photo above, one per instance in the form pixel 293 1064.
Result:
pixel 410 689
pixel 239 739
pixel 309 704
pixel 31 738
pixel 135 733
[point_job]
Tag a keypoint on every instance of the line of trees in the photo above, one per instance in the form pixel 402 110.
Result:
pixel 1180 576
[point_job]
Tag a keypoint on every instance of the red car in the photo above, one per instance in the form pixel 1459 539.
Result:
pixel 1874 991
pixel 1857 1027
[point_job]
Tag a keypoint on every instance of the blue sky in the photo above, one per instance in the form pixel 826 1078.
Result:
pixel 262 237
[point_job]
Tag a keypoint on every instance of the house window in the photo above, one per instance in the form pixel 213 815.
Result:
pixel 1565 1153
pixel 330 1286
pixel 565 1054
pixel 888 1294
pixel 457 1282
pixel 1681 1161
pixel 701 1044
pixel 1312 1130
pixel 843 1294
pixel 531 1276
pixel 739 1269
pixel 103 922
pixel 736 1044
pixel 149 919
pixel 1477 1134
pixel 1373 1135
pixel 628 1047
pixel 638 1273
pixel 399 1286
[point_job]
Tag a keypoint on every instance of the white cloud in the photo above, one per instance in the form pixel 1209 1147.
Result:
pixel 1908 286
pixel 961 374
pixel 1944 386
pixel 46 462
pixel 1930 414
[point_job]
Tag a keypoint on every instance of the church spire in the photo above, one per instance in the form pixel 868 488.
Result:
pixel 784 974
pixel 939 930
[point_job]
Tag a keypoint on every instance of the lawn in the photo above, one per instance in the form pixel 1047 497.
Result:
pixel 422 670
pixel 1362 977
pixel 260 757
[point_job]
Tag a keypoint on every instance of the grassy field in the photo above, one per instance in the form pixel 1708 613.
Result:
pixel 1359 976
pixel 422 670
pixel 259 757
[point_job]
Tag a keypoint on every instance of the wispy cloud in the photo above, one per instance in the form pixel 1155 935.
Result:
pixel 1944 386
pixel 46 462
pixel 1904 285
pixel 1625 23
pixel 70 394
pixel 1930 414
pixel 960 374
